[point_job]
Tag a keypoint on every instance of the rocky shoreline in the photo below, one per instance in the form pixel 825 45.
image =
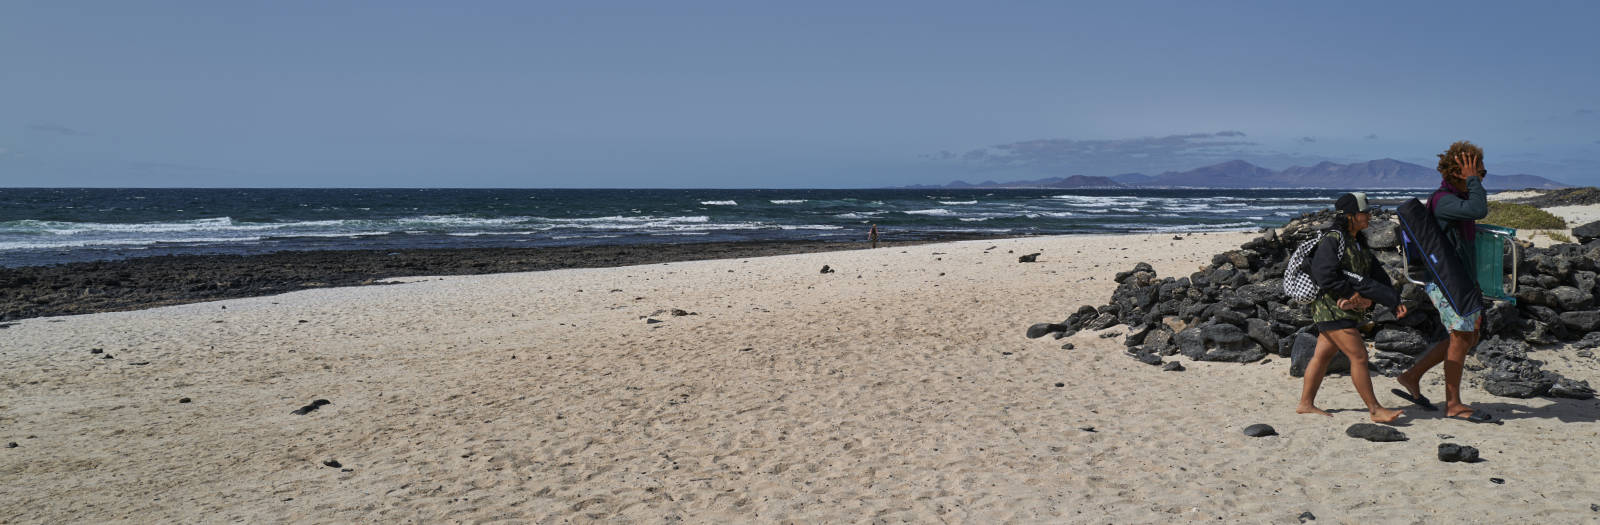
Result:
pixel 1235 310
pixel 130 284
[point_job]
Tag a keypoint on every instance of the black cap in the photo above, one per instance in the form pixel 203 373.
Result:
pixel 1352 203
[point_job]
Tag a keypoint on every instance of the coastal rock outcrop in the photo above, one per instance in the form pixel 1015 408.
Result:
pixel 1234 310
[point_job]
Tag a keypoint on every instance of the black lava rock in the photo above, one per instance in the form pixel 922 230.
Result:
pixel 1305 346
pixel 1403 340
pixel 1571 389
pixel 332 463
pixel 1066 346
pixel 1587 232
pixel 1260 430
pixel 183 400
pixel 12 444
pixel 1307 516
pixel 311 407
pixel 1039 330
pixel 1375 433
pixel 1173 366
pixel 1582 321
pixel 1032 257
pixel 826 269
pixel 1451 453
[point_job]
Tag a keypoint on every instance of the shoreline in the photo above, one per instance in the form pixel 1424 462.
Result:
pixel 77 288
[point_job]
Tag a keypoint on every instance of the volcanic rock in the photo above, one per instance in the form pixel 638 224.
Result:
pixel 1260 430
pixel 1375 433
pixel 1582 321
pixel 1451 453
pixel 1587 232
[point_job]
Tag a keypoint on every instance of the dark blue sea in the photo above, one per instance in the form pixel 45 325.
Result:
pixel 47 226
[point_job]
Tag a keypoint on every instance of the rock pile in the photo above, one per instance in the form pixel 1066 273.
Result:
pixel 1235 310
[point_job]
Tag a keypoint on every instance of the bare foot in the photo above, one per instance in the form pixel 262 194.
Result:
pixel 1458 410
pixel 1413 386
pixel 1386 415
pixel 1309 409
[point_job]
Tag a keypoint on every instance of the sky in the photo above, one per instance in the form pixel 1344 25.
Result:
pixel 747 94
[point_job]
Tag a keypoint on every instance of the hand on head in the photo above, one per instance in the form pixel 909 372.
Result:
pixel 1471 166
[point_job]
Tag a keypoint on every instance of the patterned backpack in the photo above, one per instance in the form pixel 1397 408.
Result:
pixel 1297 281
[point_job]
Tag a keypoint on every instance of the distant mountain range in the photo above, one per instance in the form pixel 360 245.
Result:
pixel 1375 174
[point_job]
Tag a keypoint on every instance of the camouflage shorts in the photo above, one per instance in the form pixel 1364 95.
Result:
pixel 1448 314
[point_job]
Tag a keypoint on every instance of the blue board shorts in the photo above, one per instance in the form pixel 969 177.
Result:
pixel 1447 313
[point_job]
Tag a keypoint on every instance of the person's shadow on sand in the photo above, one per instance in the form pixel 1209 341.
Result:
pixel 1563 410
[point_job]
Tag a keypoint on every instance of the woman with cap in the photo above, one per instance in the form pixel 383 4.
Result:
pixel 1350 279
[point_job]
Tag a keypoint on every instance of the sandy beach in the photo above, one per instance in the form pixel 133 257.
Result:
pixel 899 388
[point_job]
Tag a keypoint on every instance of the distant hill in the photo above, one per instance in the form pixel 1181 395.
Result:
pixel 1374 174
pixel 1073 182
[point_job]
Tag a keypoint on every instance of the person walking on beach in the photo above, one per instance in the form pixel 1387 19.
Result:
pixel 1340 307
pixel 1458 203
pixel 872 235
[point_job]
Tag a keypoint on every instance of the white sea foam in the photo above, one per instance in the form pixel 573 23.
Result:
pixel 785 201
pixel 720 203
pixel 936 212
pixel 957 203
pixel 973 219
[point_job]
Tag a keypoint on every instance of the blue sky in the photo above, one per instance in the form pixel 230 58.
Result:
pixel 754 94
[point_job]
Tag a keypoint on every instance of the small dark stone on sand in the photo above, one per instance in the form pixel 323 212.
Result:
pixel 304 321
pixel 1086 429
pixel 1375 433
pixel 826 269
pixel 139 363
pixel 651 321
pixel 332 463
pixel 1059 385
pixel 1451 453
pixel 95 350
pixel 107 356
pixel 1109 335
pixel 1307 516
pixel 680 313
pixel 1066 346
pixel 1032 257
pixel 1594 507
pixel 311 407
pixel 1260 430
pixel 1446 436
pixel 1177 237
pixel 12 444
pixel 183 400
pixel 1497 481
pixel 1173 366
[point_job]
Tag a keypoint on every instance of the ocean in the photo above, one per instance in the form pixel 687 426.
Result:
pixel 40 226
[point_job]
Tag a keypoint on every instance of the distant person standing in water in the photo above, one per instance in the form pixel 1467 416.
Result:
pixel 872 235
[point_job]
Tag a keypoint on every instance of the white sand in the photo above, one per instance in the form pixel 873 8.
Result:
pixel 1512 195
pixel 793 396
